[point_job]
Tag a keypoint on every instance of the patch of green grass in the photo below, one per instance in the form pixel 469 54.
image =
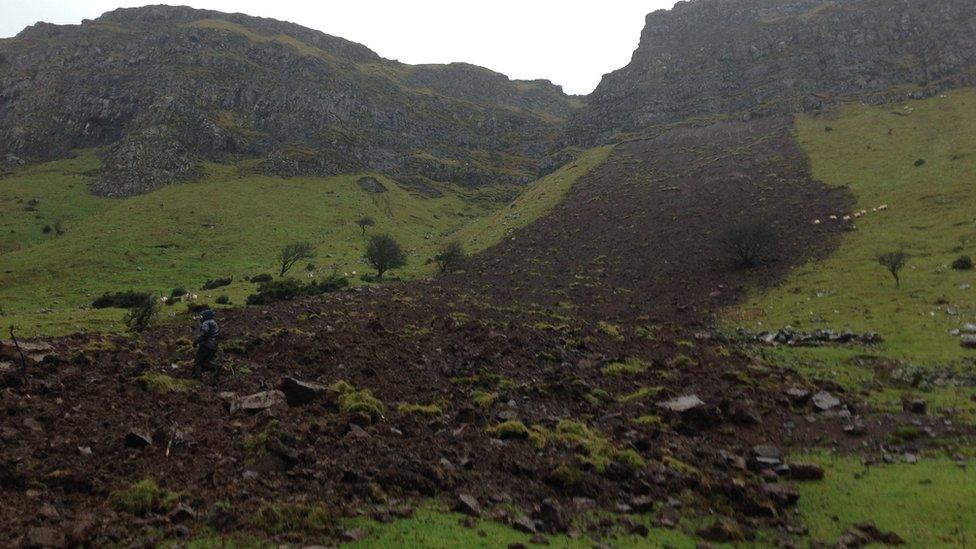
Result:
pixel 510 430
pixel 162 383
pixel 629 366
pixel 144 497
pixel 279 518
pixel 872 151
pixel 432 526
pixel 361 402
pixel 537 200
pixel 484 399
pixel 640 394
pixel 419 409
pixel 929 504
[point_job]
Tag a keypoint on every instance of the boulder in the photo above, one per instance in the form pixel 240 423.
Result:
pixel 682 404
pixel 468 505
pixel 824 401
pixel 968 341
pixel 914 405
pixel 783 495
pixel 552 516
pixel 806 471
pixel 137 438
pixel 299 393
pixel 257 401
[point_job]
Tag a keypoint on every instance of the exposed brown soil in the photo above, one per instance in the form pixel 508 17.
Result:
pixel 624 269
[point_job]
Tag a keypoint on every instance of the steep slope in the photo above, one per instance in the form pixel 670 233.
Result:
pixel 716 58
pixel 166 87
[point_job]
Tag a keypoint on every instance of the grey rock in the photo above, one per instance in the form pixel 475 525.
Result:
pixel 825 401
pixel 682 404
pixel 468 505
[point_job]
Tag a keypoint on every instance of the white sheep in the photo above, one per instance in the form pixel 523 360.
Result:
pixel 833 218
pixel 816 221
pixel 847 218
pixel 882 207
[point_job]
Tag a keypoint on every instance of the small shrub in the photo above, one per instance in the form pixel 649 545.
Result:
pixel 749 244
pixel 46 229
pixel 565 476
pixel 309 267
pixel 120 300
pixel 162 383
pixel 222 299
pixel 261 278
pixel 289 288
pixel 177 292
pixel 365 222
pixel 484 399
pixel 920 162
pixel 220 283
pixel 963 263
pixel 59 228
pixel 142 315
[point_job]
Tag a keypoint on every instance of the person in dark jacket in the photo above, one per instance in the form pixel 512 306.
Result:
pixel 206 344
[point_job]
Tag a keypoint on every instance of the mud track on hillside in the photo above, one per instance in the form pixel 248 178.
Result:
pixel 617 278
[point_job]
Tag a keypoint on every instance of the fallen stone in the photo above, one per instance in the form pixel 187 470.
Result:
pixel 355 534
pixel 824 401
pixel 722 531
pixel 864 533
pixel 642 504
pixel 468 505
pixel 524 524
pixel 182 513
pixel 783 495
pixel 968 341
pixel 299 393
pixel 914 405
pixel 257 401
pixel 806 471
pixel 669 517
pixel 552 517
pixel 682 404
pixel 797 395
pixel 137 438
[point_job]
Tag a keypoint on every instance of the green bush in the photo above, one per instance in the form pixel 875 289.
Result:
pixel 177 292
pixel 963 263
pixel 142 315
pixel 289 288
pixel 223 300
pixel 218 283
pixel 120 300
pixel 261 278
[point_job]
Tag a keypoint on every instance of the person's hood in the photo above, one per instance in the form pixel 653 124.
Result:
pixel 207 315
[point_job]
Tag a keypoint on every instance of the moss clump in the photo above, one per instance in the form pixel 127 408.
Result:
pixel 342 387
pixel 162 383
pixel 484 399
pixel 279 518
pixel 683 361
pixel 629 366
pixel 362 402
pixel 595 449
pixel 611 330
pixel 649 420
pixel 631 457
pixel 144 497
pixel 640 394
pixel 510 430
pixel 597 396
pixel 419 409
pixel 565 476
pixel 100 346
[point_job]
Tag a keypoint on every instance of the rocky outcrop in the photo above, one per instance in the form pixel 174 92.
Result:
pixel 161 89
pixel 710 58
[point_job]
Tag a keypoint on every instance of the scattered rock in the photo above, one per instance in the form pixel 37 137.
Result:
pixel 524 524
pixel 669 517
pixel 914 405
pixel 722 531
pixel 682 404
pixel 354 534
pixel 468 505
pixel 797 395
pixel 806 471
pixel 137 438
pixel 257 401
pixel 864 533
pixel 552 517
pixel 299 393
pixel 539 539
pixel 783 495
pixel 824 401
pixel 968 341
pixel 182 513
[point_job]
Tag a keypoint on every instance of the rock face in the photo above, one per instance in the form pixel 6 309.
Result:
pixel 709 57
pixel 164 88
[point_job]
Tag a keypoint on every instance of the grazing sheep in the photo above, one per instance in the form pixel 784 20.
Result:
pixel 882 207
pixel 847 218
pixel 833 218
pixel 816 221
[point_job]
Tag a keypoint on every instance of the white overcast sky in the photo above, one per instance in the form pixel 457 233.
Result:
pixel 571 42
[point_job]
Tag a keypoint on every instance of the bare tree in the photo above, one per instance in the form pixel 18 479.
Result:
pixel 293 253
pixel 893 261
pixel 749 244
pixel 365 222
pixel 450 256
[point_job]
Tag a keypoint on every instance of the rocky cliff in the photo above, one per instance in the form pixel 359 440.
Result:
pixel 752 57
pixel 162 89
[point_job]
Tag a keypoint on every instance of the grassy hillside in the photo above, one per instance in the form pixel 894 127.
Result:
pixel 930 216
pixel 232 224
